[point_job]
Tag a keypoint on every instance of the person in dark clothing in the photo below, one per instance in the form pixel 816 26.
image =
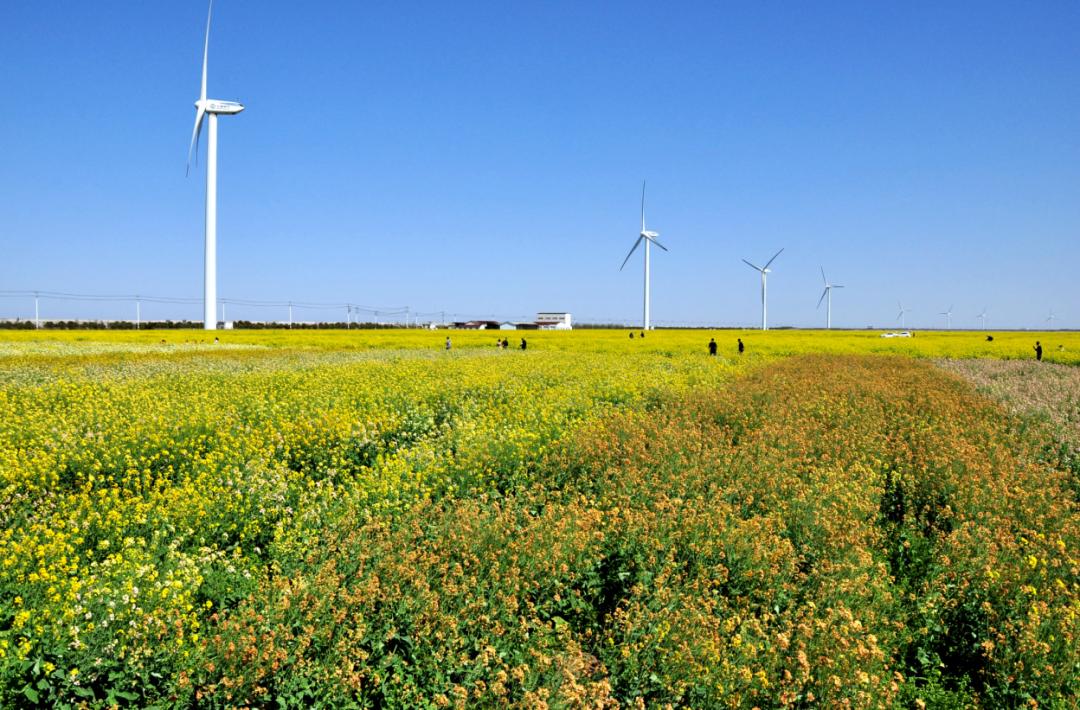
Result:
pixel 989 338
pixel 712 346
pixel 1038 350
pixel 524 345
pixel 631 335
pixel 741 346
pixel 643 333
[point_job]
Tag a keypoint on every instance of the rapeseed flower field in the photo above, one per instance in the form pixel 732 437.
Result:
pixel 366 519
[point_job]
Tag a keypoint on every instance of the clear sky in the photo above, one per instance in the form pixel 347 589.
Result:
pixel 487 158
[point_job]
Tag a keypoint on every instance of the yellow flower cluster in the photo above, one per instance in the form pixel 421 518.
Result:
pixel 153 480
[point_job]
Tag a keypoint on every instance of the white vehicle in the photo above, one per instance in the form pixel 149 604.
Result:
pixel 902 334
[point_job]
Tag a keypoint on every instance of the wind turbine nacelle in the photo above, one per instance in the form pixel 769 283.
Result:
pixel 223 107
pixel 650 235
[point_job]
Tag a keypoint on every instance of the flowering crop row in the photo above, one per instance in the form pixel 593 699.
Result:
pixel 68 350
pixel 365 518
pixel 855 532
pixel 145 490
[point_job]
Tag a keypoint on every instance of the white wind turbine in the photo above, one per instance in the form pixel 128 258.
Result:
pixel 1050 318
pixel 982 319
pixel 827 293
pixel 649 238
pixel 901 316
pixel 948 318
pixel 211 107
pixel 764 288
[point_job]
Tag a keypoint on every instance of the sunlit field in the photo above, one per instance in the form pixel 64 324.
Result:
pixel 1059 346
pixel 364 518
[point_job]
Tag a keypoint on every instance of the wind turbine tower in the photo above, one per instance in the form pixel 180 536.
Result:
pixel 982 318
pixel 209 108
pixel 902 315
pixel 948 318
pixel 764 288
pixel 649 238
pixel 827 294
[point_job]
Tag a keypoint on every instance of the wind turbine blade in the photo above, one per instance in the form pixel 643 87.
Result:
pixel 823 279
pixel 642 206
pixel 823 295
pixel 631 252
pixel 752 266
pixel 836 285
pixel 194 147
pixel 206 51
pixel 773 259
pixel 658 244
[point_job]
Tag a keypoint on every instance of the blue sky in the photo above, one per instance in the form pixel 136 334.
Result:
pixel 487 158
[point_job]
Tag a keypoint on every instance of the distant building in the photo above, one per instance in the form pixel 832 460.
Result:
pixel 477 325
pixel 554 321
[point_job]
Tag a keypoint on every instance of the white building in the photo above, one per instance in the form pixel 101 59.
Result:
pixel 554 321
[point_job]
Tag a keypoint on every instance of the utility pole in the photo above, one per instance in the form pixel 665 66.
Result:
pixel 37 313
pixel 138 312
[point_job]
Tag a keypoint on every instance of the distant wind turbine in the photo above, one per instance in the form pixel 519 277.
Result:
pixel 902 315
pixel 982 318
pixel 827 294
pixel 948 318
pixel 764 288
pixel 1051 318
pixel 649 238
pixel 211 107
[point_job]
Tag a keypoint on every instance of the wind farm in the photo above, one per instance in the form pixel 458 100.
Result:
pixel 370 418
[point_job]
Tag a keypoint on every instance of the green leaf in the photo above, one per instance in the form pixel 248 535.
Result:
pixel 31 694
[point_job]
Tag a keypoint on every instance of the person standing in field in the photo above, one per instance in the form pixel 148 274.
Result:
pixel 1038 350
pixel 524 345
pixel 712 346
pixel 448 342
pixel 631 335
pixel 741 346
